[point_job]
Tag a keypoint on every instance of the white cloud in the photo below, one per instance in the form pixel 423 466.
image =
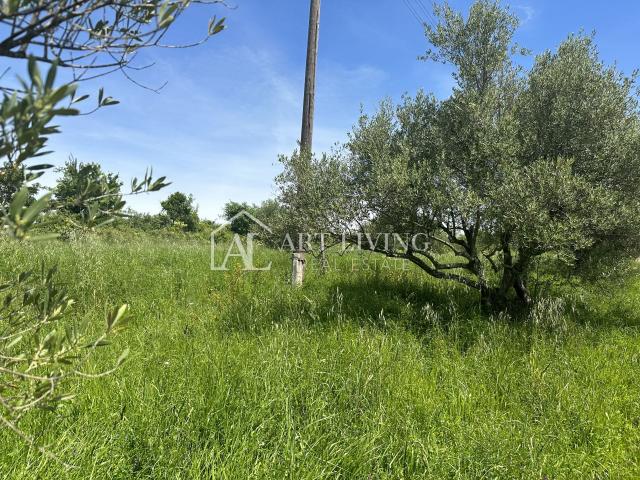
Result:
pixel 218 126
pixel 528 11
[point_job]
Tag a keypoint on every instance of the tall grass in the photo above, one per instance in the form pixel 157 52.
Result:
pixel 362 373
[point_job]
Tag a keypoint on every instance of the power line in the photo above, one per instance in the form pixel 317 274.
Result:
pixel 419 11
pixel 427 13
pixel 413 12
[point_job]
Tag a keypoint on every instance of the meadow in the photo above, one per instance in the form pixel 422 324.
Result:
pixel 369 371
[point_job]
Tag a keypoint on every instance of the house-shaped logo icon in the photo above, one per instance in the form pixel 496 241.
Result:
pixel 241 214
pixel 239 246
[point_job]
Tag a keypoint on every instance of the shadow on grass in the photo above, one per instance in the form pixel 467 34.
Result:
pixel 416 303
pixel 378 300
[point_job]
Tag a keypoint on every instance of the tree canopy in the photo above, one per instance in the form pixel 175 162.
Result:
pixel 513 167
pixel 240 225
pixel 179 208
pixel 81 183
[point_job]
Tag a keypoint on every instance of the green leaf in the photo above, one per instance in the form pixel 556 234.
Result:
pixel 80 99
pixel 42 238
pixel 41 166
pixel 34 72
pixel 59 93
pixel 116 315
pixel 30 177
pixel 106 222
pixel 14 342
pixel 18 202
pixel 34 209
pixel 165 14
pixel 66 112
pixel 43 153
pixel 51 77
pixel 109 101
pixel 123 356
pixel 23 276
pixel 216 26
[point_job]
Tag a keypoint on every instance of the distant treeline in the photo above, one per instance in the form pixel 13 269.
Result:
pixel 76 187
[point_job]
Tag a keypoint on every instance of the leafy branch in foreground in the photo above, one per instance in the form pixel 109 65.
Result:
pixel 41 349
pixel 92 37
pixel 41 345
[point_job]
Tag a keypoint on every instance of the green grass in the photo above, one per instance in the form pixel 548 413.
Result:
pixel 371 374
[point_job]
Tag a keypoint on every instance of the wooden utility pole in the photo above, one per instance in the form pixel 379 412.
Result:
pixel 306 137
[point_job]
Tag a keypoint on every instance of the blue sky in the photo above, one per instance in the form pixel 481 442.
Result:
pixel 231 106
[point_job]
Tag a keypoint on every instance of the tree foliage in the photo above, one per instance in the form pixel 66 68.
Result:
pixel 180 209
pixel 269 212
pixel 512 167
pixel 86 182
pixel 242 224
pixel 91 37
pixel 12 178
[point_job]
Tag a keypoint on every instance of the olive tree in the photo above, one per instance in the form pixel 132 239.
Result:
pixel 513 166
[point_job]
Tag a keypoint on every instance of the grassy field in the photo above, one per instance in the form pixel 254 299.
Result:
pixel 368 374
